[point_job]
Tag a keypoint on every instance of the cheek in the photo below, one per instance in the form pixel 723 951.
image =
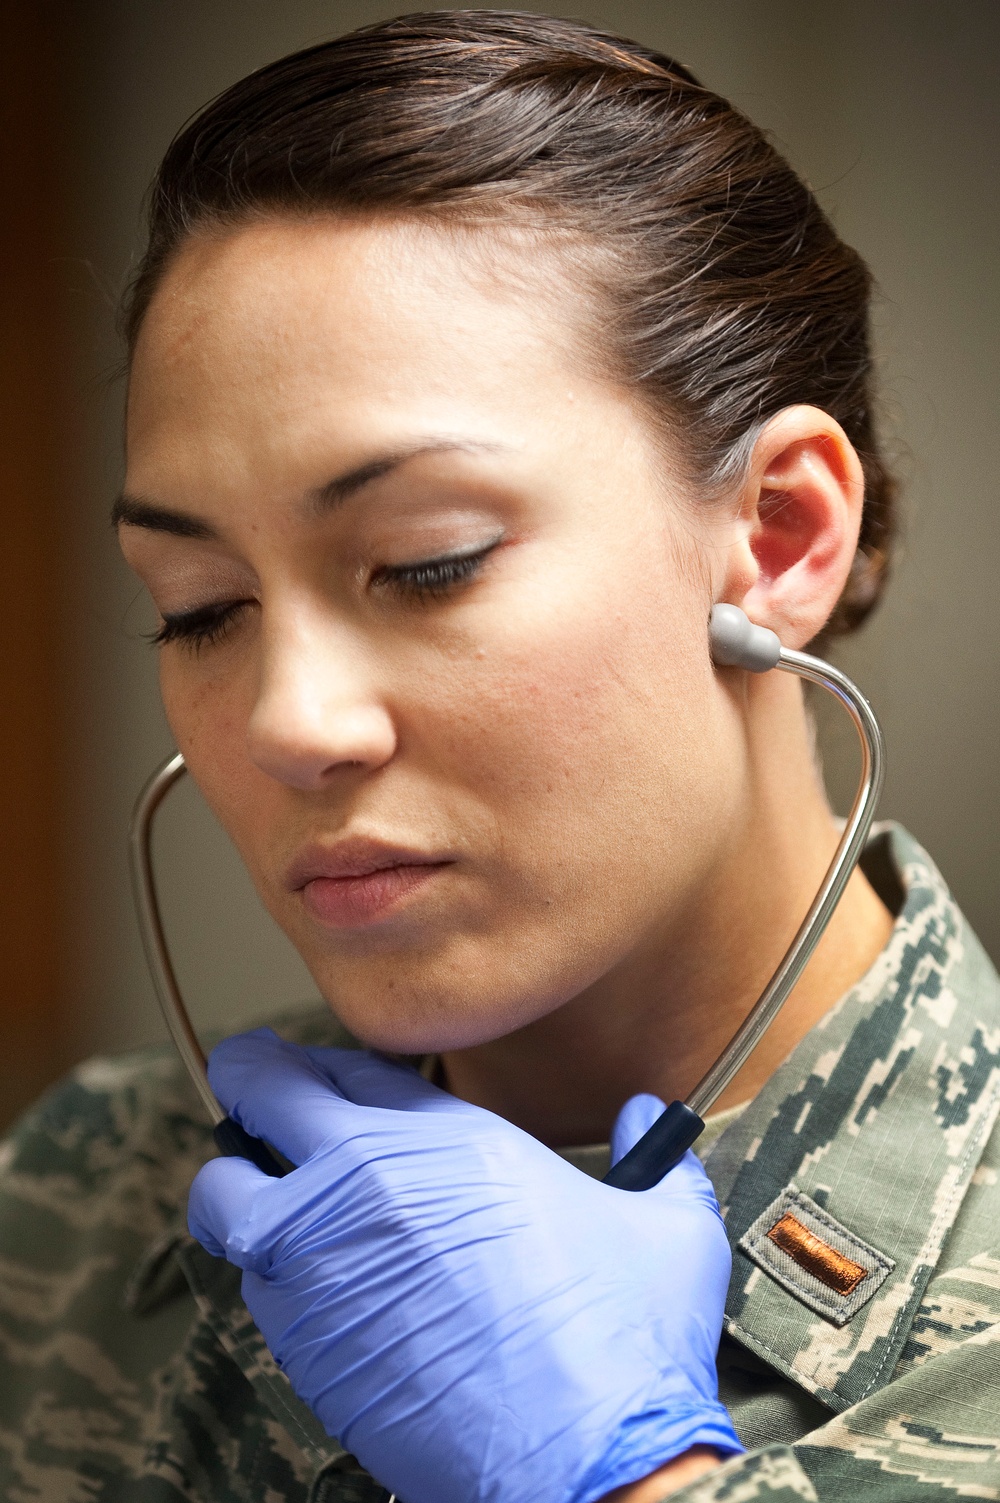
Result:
pixel 208 713
pixel 595 767
pixel 599 740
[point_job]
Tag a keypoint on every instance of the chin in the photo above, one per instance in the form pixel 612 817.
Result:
pixel 417 1009
pixel 422 983
pixel 396 1027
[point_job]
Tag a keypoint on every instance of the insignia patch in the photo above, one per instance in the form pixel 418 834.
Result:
pixel 819 1261
pixel 816 1256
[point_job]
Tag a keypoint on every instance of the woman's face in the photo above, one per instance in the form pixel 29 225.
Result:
pixel 435 622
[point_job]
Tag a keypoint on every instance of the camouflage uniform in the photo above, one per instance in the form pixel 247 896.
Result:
pixel 862 1351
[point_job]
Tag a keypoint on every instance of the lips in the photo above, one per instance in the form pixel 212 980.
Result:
pixel 359 882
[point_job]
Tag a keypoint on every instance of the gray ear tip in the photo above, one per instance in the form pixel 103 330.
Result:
pixel 738 643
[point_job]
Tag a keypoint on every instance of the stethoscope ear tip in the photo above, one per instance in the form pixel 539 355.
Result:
pixel 737 643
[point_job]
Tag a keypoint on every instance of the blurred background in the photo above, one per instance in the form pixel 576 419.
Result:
pixel 888 107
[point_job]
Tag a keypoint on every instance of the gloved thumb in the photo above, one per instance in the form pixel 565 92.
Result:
pixel 635 1118
pixel 219 1206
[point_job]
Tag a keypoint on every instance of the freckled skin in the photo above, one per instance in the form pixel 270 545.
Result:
pixel 552 727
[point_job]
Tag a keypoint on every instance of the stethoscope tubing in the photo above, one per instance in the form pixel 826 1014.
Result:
pixel 845 859
pixel 154 939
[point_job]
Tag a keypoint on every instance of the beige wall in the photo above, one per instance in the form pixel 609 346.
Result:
pixel 890 109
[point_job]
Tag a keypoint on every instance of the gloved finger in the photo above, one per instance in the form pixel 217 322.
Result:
pixel 635 1118
pixel 276 1092
pixel 688 1181
pixel 219 1207
pixel 372 1080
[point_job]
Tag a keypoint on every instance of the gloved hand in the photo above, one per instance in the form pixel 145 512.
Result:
pixel 473 1317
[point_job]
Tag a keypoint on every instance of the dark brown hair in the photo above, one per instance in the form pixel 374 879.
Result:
pixel 725 292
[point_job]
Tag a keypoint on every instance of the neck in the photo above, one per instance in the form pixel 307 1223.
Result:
pixel 659 1020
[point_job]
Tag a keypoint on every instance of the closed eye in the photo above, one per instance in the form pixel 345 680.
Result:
pixel 425 579
pixel 202 627
pixel 430 577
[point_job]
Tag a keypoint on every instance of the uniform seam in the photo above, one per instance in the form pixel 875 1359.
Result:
pixel 825 1395
pixel 287 1417
pixel 988 1120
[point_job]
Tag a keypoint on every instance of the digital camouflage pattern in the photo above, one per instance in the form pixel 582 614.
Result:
pixel 130 1369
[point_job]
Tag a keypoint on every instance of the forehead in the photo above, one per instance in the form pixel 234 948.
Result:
pixel 331 316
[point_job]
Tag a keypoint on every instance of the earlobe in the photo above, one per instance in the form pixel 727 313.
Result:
pixel 802 505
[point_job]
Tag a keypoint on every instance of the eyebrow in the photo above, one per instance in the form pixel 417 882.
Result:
pixel 134 511
pixel 336 492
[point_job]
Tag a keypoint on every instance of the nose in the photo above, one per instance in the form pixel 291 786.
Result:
pixel 317 710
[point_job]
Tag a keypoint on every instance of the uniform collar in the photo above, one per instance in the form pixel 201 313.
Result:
pixel 867 1138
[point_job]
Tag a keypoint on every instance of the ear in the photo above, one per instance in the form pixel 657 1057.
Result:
pixel 800 511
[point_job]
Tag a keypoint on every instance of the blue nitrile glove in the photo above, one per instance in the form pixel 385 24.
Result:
pixel 473 1317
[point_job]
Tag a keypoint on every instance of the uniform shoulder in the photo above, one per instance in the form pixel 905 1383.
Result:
pixel 119 1137
pixel 118 1121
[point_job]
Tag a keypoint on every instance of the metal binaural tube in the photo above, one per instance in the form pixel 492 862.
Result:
pixel 845 859
pixel 154 940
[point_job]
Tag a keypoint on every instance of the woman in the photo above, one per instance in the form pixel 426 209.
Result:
pixel 474 357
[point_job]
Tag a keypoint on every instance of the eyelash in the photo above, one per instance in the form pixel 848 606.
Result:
pixel 199 628
pixel 429 579
pixel 433 577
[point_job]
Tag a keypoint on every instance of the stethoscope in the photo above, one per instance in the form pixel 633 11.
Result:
pixel 735 643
